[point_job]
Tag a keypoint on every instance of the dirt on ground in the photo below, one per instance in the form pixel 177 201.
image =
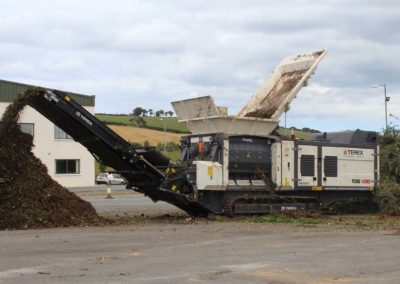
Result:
pixel 315 221
pixel 29 197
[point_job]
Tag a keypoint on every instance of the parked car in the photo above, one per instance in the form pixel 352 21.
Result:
pixel 117 179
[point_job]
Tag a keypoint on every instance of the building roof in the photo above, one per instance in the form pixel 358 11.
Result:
pixel 9 91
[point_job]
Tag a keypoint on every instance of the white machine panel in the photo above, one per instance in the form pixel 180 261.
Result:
pixel 307 168
pixel 209 175
pixel 343 167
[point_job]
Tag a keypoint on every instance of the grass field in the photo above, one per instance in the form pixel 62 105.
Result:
pixel 154 137
pixel 139 135
pixel 171 123
pixel 299 134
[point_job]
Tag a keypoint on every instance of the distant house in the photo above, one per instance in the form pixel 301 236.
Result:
pixel 68 162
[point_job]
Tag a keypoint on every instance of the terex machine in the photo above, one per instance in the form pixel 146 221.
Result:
pixel 234 164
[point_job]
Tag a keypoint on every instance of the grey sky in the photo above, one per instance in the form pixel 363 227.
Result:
pixel 148 53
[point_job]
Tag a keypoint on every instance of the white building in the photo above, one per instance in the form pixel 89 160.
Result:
pixel 68 162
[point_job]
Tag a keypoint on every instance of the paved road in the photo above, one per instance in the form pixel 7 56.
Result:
pixel 123 201
pixel 133 203
pixel 206 252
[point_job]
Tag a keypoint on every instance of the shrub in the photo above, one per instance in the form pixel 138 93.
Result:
pixel 387 196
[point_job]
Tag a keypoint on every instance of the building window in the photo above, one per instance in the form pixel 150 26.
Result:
pixel 307 165
pixel 60 134
pixel 330 166
pixel 27 128
pixel 67 167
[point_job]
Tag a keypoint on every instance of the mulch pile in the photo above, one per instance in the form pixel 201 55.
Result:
pixel 29 197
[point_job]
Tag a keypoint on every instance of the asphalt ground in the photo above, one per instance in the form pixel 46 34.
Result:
pixel 202 252
pixel 123 201
pixel 178 249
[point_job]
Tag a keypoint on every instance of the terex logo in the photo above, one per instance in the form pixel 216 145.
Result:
pixel 84 118
pixel 353 152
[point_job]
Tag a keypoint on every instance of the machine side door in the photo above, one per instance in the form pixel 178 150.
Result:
pixel 285 158
pixel 307 167
pixel 348 168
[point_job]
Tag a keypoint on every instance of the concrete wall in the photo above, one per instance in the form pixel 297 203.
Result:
pixel 48 149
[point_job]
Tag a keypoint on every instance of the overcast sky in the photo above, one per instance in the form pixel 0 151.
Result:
pixel 149 53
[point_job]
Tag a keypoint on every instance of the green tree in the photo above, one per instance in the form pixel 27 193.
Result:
pixel 171 147
pixel 138 111
pixel 139 121
pixel 136 144
pixel 146 143
pixel 160 146
pixel 390 154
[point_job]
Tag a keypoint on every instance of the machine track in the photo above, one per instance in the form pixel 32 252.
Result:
pixel 268 203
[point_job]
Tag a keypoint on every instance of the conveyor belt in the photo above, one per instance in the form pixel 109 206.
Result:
pixel 141 167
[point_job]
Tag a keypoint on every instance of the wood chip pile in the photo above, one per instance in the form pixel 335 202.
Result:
pixel 29 197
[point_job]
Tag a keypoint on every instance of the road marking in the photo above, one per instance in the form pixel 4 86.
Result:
pixel 206 243
pixel 246 266
pixel 26 270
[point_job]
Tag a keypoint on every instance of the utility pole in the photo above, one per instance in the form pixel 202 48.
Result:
pixel 165 134
pixel 285 122
pixel 387 99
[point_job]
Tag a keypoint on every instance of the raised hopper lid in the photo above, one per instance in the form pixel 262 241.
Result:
pixel 280 88
pixel 261 114
pixel 195 108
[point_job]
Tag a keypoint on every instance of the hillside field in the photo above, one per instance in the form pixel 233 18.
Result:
pixel 156 123
pixel 139 135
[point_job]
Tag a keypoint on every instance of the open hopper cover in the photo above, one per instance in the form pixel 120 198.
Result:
pixel 261 114
pixel 280 88
pixel 195 108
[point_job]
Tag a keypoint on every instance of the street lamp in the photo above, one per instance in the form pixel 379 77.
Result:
pixel 286 110
pixel 165 134
pixel 285 122
pixel 386 100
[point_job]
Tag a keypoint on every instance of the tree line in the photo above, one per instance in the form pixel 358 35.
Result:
pixel 139 111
